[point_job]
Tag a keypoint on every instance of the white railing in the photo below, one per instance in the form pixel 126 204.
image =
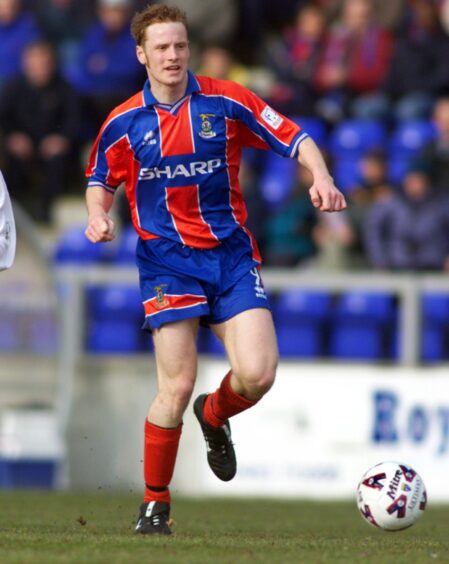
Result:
pixel 407 287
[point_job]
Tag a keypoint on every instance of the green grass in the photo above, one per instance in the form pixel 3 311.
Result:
pixel 38 527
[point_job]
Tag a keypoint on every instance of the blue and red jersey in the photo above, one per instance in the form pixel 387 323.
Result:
pixel 180 163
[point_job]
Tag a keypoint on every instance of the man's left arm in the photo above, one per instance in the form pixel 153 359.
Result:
pixel 284 137
pixel 324 194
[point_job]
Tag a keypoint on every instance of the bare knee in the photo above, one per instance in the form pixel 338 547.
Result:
pixel 174 398
pixel 181 392
pixel 257 378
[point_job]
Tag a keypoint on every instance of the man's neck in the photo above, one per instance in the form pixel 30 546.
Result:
pixel 168 94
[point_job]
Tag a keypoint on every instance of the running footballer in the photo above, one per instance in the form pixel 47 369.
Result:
pixel 176 146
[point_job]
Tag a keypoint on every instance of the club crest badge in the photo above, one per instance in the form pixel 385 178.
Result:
pixel 206 126
pixel 161 298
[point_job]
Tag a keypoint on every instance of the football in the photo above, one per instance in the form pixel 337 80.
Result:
pixel 391 496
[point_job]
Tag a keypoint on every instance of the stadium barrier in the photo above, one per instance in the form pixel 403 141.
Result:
pixel 102 399
pixel 408 288
pixel 326 429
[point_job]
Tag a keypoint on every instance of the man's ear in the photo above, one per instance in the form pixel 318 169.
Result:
pixel 140 53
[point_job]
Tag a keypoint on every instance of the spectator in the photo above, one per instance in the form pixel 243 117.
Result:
pixel 353 64
pixel 107 70
pixel 373 171
pixel 389 14
pixel 210 20
pixel 39 115
pixel 293 58
pixel 409 230
pixel 63 22
pixel 419 71
pixel 386 14
pixel 436 153
pixel 257 18
pixel 333 238
pixel 373 185
pixel 288 232
pixel 444 14
pixel 18 28
pixel 218 62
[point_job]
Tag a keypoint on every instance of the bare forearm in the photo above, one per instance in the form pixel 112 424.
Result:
pixel 98 201
pixel 311 157
pixel 323 193
pixel 100 227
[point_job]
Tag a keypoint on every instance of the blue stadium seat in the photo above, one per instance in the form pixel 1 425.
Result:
pixel 27 473
pixel 125 252
pixel 397 167
pixel 277 178
pixel 315 127
pixel 115 317
pixel 410 136
pixel 435 327
pixel 363 326
pixel 346 172
pixel 406 141
pixel 300 317
pixel 73 247
pixel 354 137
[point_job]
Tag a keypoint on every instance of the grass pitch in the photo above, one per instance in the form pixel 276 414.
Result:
pixel 42 527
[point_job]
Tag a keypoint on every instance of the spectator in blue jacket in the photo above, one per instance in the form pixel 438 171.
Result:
pixel 409 230
pixel 419 72
pixel 107 71
pixel 18 28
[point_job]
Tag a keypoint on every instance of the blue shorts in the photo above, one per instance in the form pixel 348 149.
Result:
pixel 179 282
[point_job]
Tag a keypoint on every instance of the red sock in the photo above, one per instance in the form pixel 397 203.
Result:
pixel 159 457
pixel 224 403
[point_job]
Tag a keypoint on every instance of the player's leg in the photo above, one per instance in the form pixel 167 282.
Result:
pixel 176 361
pixel 174 299
pixel 250 343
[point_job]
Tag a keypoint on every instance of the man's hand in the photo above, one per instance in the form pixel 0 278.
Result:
pixel 100 228
pixel 325 196
pixel 53 146
pixel 19 144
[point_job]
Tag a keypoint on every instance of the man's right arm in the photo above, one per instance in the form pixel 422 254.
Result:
pixel 100 227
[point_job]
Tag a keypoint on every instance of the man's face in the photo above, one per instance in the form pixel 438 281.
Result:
pixel 165 53
pixel 114 18
pixel 8 10
pixel 38 64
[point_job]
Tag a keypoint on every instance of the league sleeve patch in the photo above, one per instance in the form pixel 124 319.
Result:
pixel 271 117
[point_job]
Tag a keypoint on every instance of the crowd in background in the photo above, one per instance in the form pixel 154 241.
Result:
pixel 66 63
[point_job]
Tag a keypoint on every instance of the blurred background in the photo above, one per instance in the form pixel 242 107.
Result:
pixel 360 299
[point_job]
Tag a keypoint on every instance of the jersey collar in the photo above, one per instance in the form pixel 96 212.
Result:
pixel 192 86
